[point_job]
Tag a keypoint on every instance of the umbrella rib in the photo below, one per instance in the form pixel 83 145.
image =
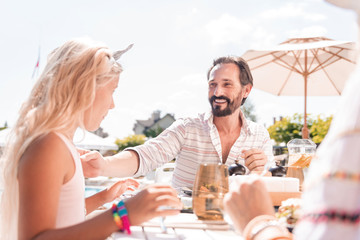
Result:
pixel 341 57
pixel 276 60
pixel 263 64
pixel 315 53
pixel 301 71
pixel 331 81
pixel 292 68
pixel 343 48
pixel 287 65
pixel 324 65
pixel 327 62
pixel 261 56
pixel 285 82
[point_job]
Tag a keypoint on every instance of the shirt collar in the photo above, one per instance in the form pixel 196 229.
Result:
pixel 209 117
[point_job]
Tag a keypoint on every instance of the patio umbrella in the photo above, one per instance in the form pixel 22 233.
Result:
pixel 316 66
pixel 82 139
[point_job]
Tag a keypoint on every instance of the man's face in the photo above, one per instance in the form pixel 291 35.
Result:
pixel 225 90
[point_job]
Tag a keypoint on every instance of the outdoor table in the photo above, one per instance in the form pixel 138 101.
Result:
pixel 182 226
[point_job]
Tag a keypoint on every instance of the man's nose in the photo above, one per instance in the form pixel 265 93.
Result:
pixel 218 91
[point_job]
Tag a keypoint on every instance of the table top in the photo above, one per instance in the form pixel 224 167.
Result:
pixel 182 226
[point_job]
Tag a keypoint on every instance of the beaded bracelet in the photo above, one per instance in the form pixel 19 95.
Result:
pixel 121 210
pixel 260 223
pixel 117 218
pixel 259 228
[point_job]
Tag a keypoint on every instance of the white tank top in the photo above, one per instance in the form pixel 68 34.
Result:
pixel 71 209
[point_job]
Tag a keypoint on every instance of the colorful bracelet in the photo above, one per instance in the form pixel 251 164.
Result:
pixel 121 210
pixel 117 218
pixel 332 215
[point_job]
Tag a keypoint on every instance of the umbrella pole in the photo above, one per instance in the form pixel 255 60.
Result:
pixel 305 130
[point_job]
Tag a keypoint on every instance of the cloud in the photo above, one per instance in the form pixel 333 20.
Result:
pixel 228 29
pixel 291 10
pixel 313 31
pixel 197 79
pixel 262 38
pixel 315 17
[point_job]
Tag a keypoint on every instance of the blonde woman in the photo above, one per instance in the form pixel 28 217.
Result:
pixel 43 196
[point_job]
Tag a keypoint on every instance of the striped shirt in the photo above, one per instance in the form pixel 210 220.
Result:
pixel 195 141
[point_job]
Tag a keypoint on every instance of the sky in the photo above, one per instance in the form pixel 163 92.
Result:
pixel 175 43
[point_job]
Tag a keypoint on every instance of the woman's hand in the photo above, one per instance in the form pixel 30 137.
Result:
pixel 118 188
pixel 246 201
pixel 109 194
pixel 151 199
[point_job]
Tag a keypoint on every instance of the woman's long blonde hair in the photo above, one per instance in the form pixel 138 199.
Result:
pixel 57 102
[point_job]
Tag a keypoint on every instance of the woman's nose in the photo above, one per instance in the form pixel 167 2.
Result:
pixel 112 105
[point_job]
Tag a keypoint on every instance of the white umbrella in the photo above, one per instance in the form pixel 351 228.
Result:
pixel 82 139
pixel 316 66
pixel 88 140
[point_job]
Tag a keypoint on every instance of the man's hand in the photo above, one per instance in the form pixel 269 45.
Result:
pixel 92 162
pixel 255 159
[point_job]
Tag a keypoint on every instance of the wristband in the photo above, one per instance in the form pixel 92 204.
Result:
pixel 117 218
pixel 260 223
pixel 121 210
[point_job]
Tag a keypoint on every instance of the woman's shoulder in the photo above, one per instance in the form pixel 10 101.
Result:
pixel 45 150
pixel 45 144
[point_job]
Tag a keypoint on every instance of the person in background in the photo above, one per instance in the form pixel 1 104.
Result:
pixel 331 200
pixel 223 135
pixel 43 194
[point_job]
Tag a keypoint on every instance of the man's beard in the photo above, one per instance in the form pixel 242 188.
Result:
pixel 231 107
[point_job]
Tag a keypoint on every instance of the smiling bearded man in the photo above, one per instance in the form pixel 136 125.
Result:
pixel 222 135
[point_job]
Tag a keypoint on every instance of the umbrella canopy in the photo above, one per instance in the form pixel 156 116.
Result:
pixel 88 140
pixel 82 139
pixel 316 66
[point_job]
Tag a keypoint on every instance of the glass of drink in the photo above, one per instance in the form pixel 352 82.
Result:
pixel 301 152
pixel 210 186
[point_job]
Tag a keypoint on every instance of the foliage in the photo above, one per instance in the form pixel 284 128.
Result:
pixel 4 127
pixel 100 132
pixel 130 141
pixel 320 128
pixel 151 133
pixel 286 129
pixel 248 109
pixel 290 127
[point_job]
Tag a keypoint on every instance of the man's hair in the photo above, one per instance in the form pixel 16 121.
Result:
pixel 245 74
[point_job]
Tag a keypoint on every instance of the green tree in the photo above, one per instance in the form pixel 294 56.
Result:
pixel 151 133
pixel 290 127
pixel 320 128
pixel 4 127
pixel 287 128
pixel 248 109
pixel 130 141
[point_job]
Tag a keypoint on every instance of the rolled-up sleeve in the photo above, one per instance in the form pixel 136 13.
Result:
pixel 162 149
